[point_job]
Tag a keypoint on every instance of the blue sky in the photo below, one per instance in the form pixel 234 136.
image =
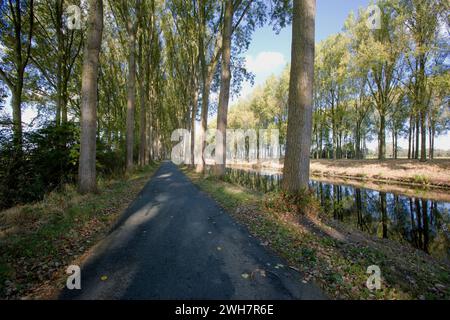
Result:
pixel 331 15
pixel 270 52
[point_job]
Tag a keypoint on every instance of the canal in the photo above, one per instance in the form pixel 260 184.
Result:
pixel 419 222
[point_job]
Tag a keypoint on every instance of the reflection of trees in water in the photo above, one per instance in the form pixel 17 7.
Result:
pixel 359 210
pixel 421 217
pixel 384 218
pixel 425 225
pixel 416 221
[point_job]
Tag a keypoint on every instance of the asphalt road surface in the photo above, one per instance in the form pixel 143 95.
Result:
pixel 175 242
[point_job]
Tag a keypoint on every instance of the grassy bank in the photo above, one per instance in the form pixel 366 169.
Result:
pixel 39 241
pixel 330 254
pixel 433 173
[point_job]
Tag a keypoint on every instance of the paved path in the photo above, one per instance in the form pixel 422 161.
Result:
pixel 175 242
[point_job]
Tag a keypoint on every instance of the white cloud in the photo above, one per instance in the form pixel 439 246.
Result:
pixel 265 62
pixel 262 66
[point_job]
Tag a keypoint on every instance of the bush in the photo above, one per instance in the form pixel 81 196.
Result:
pixel 303 202
pixel 49 159
pixel 110 162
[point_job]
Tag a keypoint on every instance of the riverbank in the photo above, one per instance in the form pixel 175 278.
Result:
pixel 433 173
pixel 334 255
pixel 39 241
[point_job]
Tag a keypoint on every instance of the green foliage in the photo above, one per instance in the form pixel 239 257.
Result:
pixel 367 82
pixel 421 179
pixel 49 160
pixel 110 161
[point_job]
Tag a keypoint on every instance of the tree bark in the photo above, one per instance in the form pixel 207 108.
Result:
pixel 131 96
pixel 224 96
pixel 60 61
pixel 333 128
pixel 358 141
pixel 416 149
pixel 432 135
pixel 143 107
pixel 142 126
pixel 396 145
pixel 423 132
pixel 193 117
pixel 86 173
pixel 16 104
pixel 409 138
pixel 297 160
pixel 382 138
pixel 204 121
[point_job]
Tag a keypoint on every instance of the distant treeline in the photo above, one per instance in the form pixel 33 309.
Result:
pixel 369 82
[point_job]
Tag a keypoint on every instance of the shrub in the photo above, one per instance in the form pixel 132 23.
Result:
pixel 303 202
pixel 49 159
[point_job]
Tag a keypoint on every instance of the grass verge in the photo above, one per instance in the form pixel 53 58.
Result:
pixel 39 241
pixel 330 254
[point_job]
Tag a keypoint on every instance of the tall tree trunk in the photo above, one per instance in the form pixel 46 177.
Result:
pixel 432 135
pixel 333 128
pixel 86 172
pixel 131 95
pixel 430 141
pixel 393 144
pixel 143 107
pixel 16 104
pixel 396 145
pixel 193 118
pixel 150 130
pixel 409 138
pixel 417 129
pixel 413 140
pixel 423 107
pixel 358 141
pixel 142 126
pixel 297 160
pixel 65 101
pixel 423 132
pixel 204 121
pixel 60 60
pixel 317 143
pixel 321 139
pixel 382 137
pixel 224 96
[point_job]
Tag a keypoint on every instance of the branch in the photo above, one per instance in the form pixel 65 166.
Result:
pixel 242 15
pixel 43 71
pixel 8 81
pixel 30 35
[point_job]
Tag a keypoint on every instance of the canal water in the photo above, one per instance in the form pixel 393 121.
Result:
pixel 421 223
